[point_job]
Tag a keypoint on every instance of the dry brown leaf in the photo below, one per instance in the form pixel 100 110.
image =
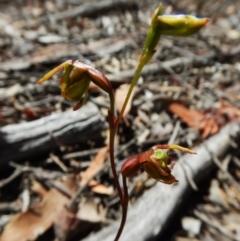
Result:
pixel 100 188
pixel 95 166
pixel 194 118
pixel 211 120
pixel 66 223
pixel 191 117
pixel 120 95
pixel 208 127
pixel 34 222
pixel 229 110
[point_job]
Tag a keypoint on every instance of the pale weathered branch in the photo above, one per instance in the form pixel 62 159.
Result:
pixel 28 139
pixel 153 211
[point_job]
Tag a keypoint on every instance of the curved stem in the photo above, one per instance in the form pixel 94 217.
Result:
pixel 123 195
pixel 111 155
pixel 113 129
pixel 124 203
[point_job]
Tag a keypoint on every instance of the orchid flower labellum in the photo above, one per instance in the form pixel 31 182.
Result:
pixel 156 162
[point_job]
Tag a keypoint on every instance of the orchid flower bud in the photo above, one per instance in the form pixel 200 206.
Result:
pixel 152 37
pixel 75 81
pixel 180 25
pixel 171 25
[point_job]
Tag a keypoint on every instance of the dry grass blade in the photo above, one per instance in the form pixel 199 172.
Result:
pixel 95 166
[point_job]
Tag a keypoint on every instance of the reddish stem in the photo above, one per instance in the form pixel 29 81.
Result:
pixel 123 194
pixel 124 203
pixel 111 153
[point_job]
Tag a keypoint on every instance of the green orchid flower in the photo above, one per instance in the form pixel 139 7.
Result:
pixel 169 25
pixel 75 81
pixel 156 162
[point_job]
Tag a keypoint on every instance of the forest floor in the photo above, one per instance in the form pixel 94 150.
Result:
pixel 190 88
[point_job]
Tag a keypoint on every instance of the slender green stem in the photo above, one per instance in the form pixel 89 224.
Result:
pixel 145 57
pixel 133 83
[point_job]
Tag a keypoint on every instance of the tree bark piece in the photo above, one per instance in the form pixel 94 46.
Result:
pixel 28 139
pixel 152 212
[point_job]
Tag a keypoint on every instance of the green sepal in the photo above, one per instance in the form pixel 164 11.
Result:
pixel 180 25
